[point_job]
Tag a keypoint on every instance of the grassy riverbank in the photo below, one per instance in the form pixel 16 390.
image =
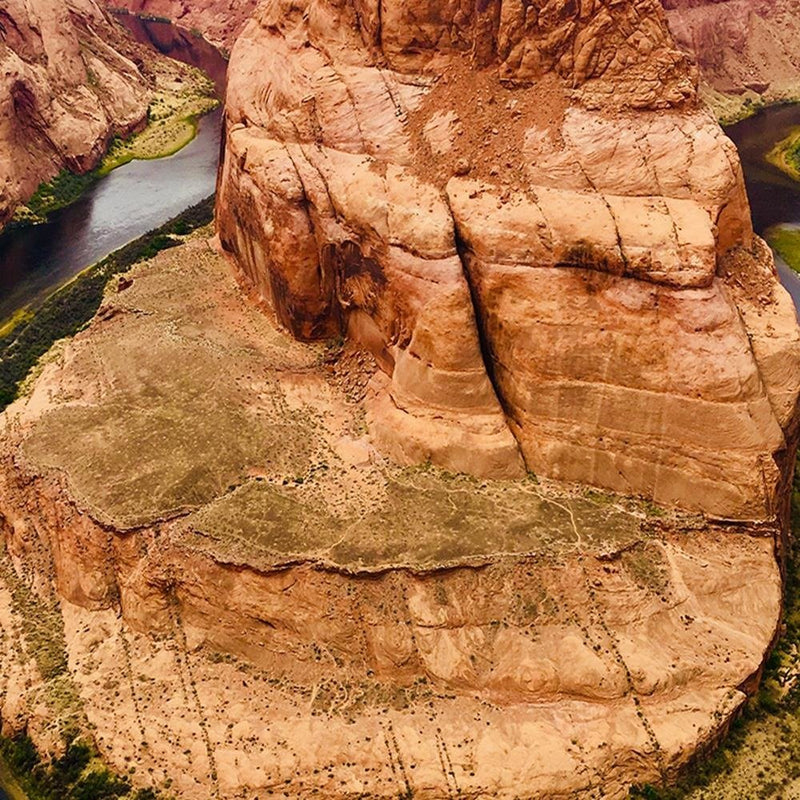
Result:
pixel 732 108
pixel 27 336
pixel 183 94
pixel 172 123
pixel 786 243
pixel 786 155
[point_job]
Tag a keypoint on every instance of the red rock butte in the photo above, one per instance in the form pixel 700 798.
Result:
pixel 302 551
pixel 523 212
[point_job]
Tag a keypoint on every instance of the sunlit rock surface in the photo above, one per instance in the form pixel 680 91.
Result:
pixel 529 220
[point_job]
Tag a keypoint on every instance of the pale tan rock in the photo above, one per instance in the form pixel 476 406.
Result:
pixel 567 290
pixel 229 628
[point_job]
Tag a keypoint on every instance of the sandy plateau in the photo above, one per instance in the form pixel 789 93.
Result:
pixel 251 600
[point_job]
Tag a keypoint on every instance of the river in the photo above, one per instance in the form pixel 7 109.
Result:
pixel 774 196
pixel 128 202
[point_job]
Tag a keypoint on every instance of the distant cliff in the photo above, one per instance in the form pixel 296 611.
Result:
pixel 69 82
pixel 742 45
pixel 220 21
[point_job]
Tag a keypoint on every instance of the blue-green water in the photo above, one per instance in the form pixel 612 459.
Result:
pixel 125 204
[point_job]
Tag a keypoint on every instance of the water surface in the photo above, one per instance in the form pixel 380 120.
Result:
pixel 774 196
pixel 130 201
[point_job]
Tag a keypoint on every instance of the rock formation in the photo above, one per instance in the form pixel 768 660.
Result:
pixel 526 216
pixel 742 46
pixel 492 238
pixel 220 21
pixel 210 571
pixel 69 82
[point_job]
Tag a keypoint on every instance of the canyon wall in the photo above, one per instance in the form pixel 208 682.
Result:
pixel 70 80
pixel 210 572
pixel 490 238
pixel 741 45
pixel 527 217
pixel 220 21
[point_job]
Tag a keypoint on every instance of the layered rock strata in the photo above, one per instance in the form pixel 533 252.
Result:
pixel 69 82
pixel 210 570
pixel 523 212
pixel 220 21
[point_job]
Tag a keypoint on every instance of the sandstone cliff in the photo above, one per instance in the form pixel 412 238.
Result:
pixel 491 238
pixel 209 570
pixel 69 82
pixel 220 21
pixel 523 212
pixel 743 47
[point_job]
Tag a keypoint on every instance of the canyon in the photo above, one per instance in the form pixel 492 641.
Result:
pixel 747 51
pixel 70 83
pixel 454 461
pixel 75 88
pixel 220 21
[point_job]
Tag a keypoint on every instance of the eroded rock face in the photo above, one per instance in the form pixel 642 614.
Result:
pixel 741 44
pixel 220 21
pixel 523 212
pixel 239 593
pixel 69 82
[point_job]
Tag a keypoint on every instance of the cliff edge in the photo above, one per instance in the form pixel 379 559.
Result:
pixel 527 217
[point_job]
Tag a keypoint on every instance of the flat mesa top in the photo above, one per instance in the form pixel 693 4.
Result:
pixel 183 405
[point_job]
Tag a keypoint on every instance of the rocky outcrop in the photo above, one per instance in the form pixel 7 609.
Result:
pixel 525 215
pixel 220 21
pixel 69 82
pixel 210 571
pixel 742 47
pixel 491 238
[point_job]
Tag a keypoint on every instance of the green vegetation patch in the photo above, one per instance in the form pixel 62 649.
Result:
pixel 786 155
pixel 52 195
pixel 76 775
pixel 786 243
pixel 134 461
pixel 41 638
pixel 66 311
pixel 179 408
pixel 427 519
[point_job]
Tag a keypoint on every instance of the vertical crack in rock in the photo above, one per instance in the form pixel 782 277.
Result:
pixel 484 341
pixel 173 604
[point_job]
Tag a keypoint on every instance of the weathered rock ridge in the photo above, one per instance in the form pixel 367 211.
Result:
pixel 209 570
pixel 741 45
pixel 500 237
pixel 220 21
pixel 69 82
pixel 526 216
